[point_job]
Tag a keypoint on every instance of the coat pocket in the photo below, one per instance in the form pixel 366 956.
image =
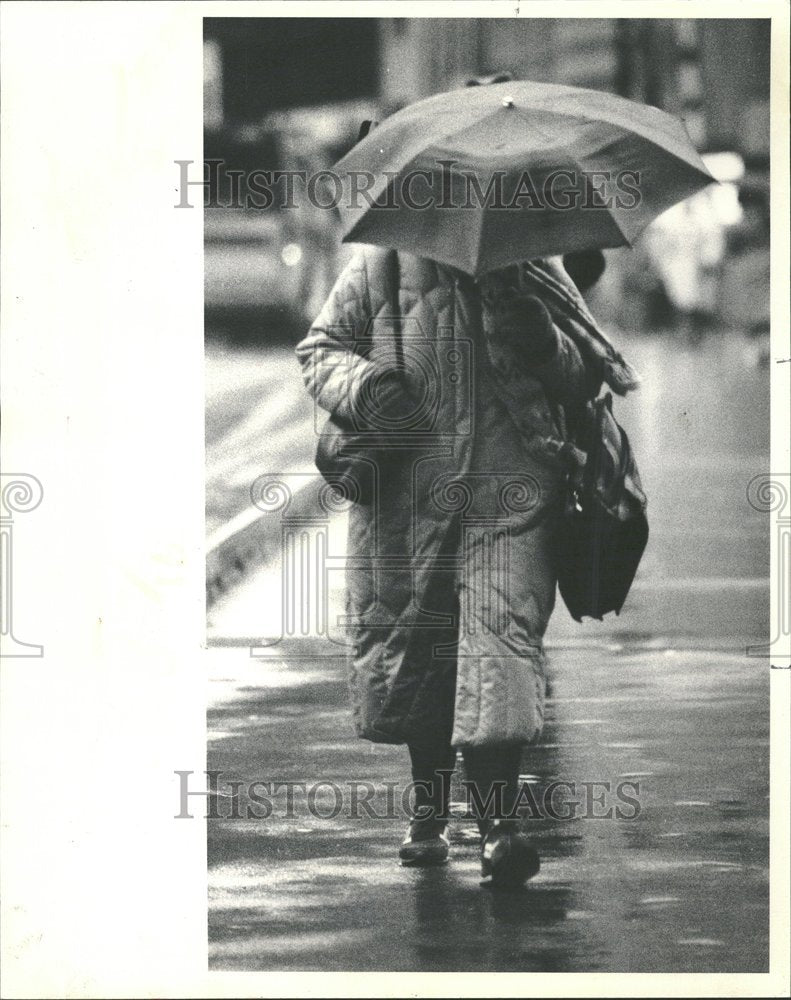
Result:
pixel 342 462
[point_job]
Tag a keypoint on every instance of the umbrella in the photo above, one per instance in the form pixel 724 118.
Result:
pixel 483 177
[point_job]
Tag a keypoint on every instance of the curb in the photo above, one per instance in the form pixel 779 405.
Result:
pixel 248 541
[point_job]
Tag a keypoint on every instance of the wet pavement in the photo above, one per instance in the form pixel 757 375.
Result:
pixel 664 697
pixel 682 886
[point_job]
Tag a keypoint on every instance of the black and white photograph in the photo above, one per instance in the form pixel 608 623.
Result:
pixel 463 278
pixel 395 526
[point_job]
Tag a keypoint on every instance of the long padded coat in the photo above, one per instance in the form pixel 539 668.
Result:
pixel 450 581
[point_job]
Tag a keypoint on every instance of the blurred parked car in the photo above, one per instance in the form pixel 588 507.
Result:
pixel 251 269
pixel 272 268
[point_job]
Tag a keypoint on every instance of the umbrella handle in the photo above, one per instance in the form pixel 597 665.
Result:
pixel 394 283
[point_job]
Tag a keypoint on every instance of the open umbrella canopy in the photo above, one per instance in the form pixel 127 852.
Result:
pixel 483 177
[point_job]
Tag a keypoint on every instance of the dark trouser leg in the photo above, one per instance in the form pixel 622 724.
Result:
pixel 426 842
pixel 494 774
pixel 431 771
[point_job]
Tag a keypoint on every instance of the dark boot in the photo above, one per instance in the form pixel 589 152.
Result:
pixel 507 855
pixel 426 843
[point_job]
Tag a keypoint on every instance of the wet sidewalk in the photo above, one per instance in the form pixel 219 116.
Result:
pixel 681 886
pixel 664 697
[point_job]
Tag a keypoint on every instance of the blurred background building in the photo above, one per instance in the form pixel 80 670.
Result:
pixel 290 93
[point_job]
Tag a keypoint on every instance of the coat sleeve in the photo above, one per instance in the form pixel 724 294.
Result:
pixel 333 370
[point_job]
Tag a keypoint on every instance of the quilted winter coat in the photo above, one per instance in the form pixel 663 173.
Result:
pixel 450 580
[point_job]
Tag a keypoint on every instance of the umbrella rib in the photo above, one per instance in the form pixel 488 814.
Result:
pixel 632 124
pixel 410 155
pixel 638 130
pixel 531 126
pixel 522 114
pixel 619 227
pixel 579 167
pixel 635 128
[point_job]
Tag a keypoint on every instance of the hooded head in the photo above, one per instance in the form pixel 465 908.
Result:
pixel 584 267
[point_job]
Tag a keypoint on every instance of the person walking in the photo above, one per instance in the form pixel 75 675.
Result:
pixel 450 577
pixel 459 364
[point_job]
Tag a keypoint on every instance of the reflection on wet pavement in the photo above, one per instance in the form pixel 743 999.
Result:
pixel 683 886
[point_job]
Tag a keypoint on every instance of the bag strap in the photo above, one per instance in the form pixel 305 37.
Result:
pixel 593 469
